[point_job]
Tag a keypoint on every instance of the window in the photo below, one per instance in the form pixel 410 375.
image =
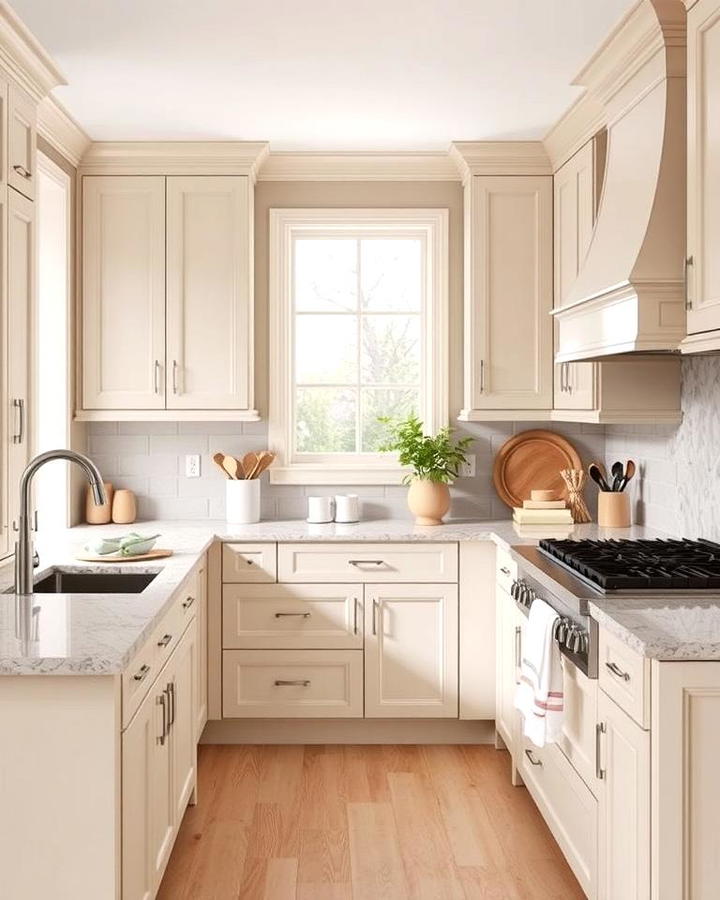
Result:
pixel 358 305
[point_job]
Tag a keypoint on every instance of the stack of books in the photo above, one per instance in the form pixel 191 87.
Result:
pixel 542 512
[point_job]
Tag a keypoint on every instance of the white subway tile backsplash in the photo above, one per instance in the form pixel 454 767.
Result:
pixel 178 443
pixel 148 464
pixel 147 427
pixel 117 443
pixel 173 507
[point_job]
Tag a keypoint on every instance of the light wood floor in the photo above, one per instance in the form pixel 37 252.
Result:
pixel 336 822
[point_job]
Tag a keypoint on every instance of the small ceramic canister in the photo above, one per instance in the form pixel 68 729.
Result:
pixel 320 510
pixel 124 507
pixel 98 515
pixel 347 508
pixel 614 509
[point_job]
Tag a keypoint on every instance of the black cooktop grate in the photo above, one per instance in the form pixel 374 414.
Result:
pixel 658 564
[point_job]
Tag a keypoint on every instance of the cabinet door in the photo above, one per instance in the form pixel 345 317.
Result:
pixel 574 218
pixel 210 327
pixel 201 682
pixel 22 121
pixel 508 293
pixel 623 794
pixel 123 292
pixel 20 296
pixel 703 188
pixel 183 723
pixel 161 794
pixel 509 636
pixel 7 417
pixel 139 748
pixel 411 650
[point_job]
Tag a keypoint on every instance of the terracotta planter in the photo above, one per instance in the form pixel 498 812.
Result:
pixel 428 501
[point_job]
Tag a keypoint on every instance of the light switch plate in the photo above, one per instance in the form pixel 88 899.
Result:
pixel 192 465
pixel 467 470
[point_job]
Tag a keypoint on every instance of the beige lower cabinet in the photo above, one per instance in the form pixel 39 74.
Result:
pixel 508 630
pixel 411 650
pixel 158 770
pixel 201 682
pixel 623 805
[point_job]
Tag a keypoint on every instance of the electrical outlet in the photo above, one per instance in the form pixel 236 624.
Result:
pixel 467 469
pixel 192 465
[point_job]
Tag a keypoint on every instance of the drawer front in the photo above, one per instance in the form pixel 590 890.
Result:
pixel 505 569
pixel 249 563
pixel 577 740
pixel 567 805
pixel 136 681
pixel 292 683
pixel 299 616
pixel 368 563
pixel 624 675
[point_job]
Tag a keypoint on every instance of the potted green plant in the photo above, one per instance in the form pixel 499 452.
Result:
pixel 435 463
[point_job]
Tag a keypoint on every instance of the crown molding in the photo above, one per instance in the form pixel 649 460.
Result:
pixel 358 166
pixel 174 158
pixel 24 57
pixel 58 128
pixel 650 27
pixel 500 158
pixel 574 129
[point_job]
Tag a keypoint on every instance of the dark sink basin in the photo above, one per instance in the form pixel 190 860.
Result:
pixel 58 582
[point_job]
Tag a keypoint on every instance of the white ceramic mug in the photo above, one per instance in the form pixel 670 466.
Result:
pixel 347 508
pixel 320 510
pixel 242 501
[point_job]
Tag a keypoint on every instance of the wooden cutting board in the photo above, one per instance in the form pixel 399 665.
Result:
pixel 153 554
pixel 532 460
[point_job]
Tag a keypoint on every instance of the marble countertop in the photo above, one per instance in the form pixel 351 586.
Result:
pixel 98 634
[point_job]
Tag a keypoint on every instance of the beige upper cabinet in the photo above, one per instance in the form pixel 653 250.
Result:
pixel 208 293
pixel 703 245
pixel 124 292
pixel 574 217
pixel 167 297
pixel 21 139
pixel 508 296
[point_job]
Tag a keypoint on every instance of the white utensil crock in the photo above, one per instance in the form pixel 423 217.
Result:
pixel 242 501
pixel 347 508
pixel 320 510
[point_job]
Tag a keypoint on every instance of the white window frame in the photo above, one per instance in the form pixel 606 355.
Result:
pixel 367 468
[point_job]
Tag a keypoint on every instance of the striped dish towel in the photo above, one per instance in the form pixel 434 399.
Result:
pixel 539 695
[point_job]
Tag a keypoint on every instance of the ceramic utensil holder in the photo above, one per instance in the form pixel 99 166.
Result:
pixel 98 515
pixel 613 509
pixel 242 501
pixel 124 507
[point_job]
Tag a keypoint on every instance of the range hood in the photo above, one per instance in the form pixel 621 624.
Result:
pixel 629 293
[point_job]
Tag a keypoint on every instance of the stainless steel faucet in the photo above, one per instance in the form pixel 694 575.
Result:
pixel 23 547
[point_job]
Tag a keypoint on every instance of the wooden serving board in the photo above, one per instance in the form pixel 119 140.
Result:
pixel 532 460
pixel 153 554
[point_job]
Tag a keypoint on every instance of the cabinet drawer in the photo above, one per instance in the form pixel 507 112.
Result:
pixel 624 675
pixel 505 569
pixel 249 563
pixel 292 683
pixel 137 679
pixel 279 616
pixel 368 563
pixel 567 805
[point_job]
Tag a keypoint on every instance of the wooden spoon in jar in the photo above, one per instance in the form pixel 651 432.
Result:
pixel 232 467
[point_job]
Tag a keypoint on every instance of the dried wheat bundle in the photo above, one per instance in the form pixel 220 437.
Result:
pixel 575 480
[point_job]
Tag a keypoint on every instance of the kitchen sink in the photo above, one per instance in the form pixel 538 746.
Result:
pixel 59 582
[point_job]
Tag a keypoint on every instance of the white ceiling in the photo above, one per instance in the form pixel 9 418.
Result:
pixel 319 74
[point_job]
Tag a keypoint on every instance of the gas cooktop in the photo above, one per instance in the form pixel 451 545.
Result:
pixel 616 565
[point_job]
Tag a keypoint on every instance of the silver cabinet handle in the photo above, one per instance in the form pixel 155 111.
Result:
pixel 616 670
pixel 518 650
pixel 366 562
pixel 482 376
pixel 19 405
pixel 568 383
pixel 529 754
pixel 174 376
pixel 142 673
pixel 355 615
pixel 161 701
pixel 505 571
pixel 689 262
pixel 300 682
pixel 22 171
pixel 374 616
pixel 164 640
pixel 599 732
pixel 188 602
pixel 282 615
pixel 156 376
pixel 562 378
pixel 171 703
